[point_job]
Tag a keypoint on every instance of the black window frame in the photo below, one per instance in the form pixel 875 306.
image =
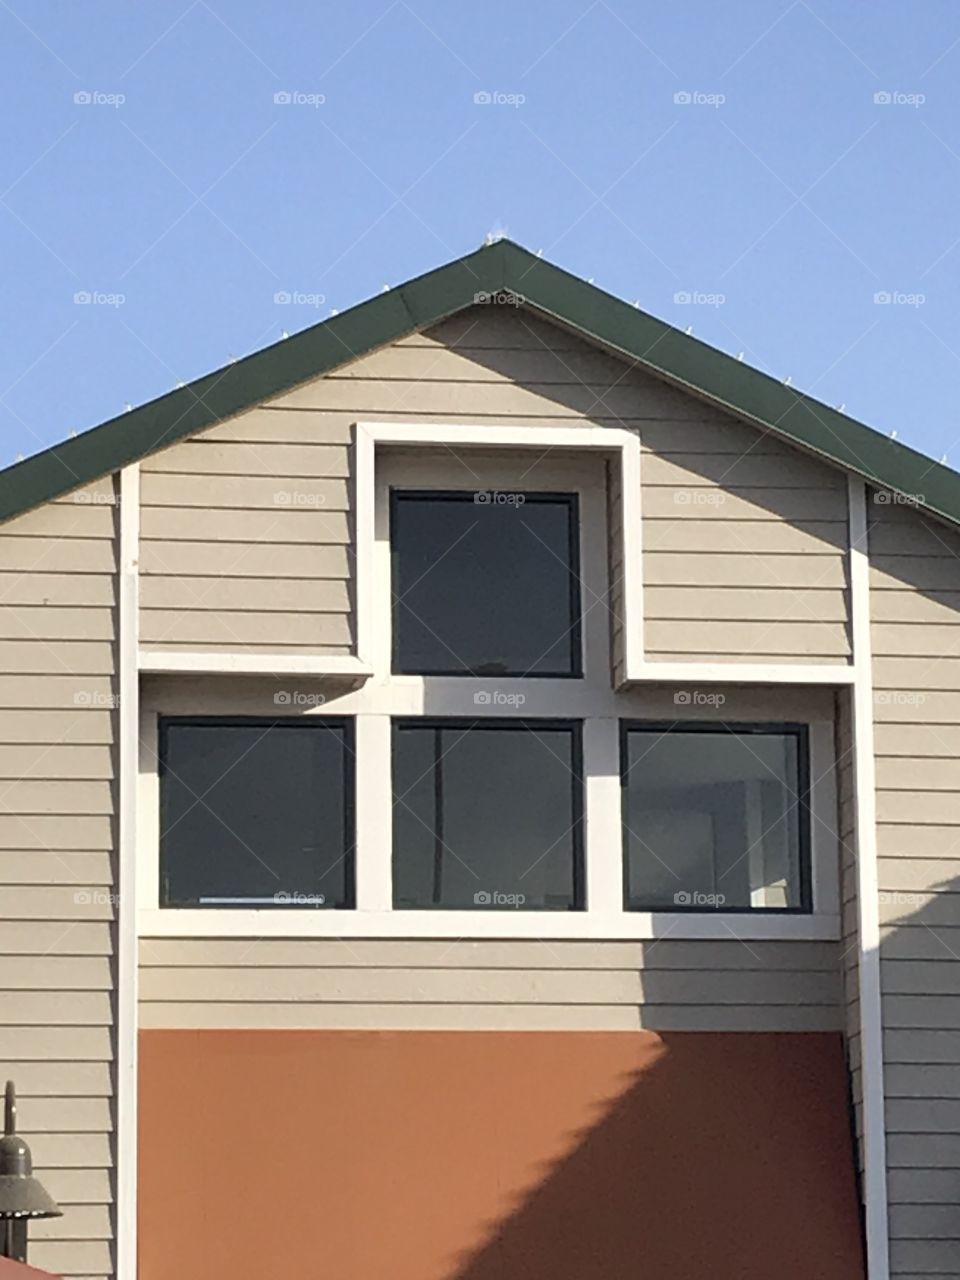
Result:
pixel 400 493
pixel 312 725
pixel 801 732
pixel 579 904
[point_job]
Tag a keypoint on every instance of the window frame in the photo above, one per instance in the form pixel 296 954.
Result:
pixel 525 725
pixel 602 465
pixel 796 729
pixel 398 493
pixel 287 724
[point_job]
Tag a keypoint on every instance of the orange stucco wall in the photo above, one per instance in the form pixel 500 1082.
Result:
pixel 493 1156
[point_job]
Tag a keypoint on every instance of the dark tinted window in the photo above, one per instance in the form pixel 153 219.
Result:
pixel 487 816
pixel 715 818
pixel 485 584
pixel 255 813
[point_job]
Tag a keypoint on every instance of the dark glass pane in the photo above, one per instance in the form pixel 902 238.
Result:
pixel 486 817
pixel 713 820
pixel 254 814
pixel 485 587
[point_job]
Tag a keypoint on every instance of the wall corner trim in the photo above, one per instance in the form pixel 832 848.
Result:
pixel 128 718
pixel 868 900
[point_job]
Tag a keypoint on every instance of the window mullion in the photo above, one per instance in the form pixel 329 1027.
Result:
pixel 374 814
pixel 603 835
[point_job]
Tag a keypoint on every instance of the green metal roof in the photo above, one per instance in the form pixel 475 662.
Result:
pixel 599 317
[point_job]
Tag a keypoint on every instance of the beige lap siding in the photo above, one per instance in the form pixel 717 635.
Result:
pixel 245 539
pixel 57 859
pixel 247 527
pixel 915 590
pixel 488 985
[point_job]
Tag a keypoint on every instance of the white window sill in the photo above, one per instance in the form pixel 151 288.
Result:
pixel 272 923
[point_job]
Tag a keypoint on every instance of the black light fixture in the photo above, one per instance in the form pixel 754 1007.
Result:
pixel 22 1197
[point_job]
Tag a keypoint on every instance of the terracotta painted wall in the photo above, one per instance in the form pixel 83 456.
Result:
pixel 495 1156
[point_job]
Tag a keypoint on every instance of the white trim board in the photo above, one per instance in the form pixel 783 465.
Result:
pixel 621 447
pixel 868 900
pixel 373 917
pixel 159 662
pixel 128 717
pixel 607 441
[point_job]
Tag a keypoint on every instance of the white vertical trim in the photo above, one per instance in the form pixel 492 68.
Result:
pixel 632 553
pixel 603 831
pixel 148 811
pixel 868 901
pixel 373 853
pixel 364 535
pixel 126 887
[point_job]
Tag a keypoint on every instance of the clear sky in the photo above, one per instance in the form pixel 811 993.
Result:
pixel 735 154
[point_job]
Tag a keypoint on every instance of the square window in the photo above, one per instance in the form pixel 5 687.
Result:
pixel 485 583
pixel 715 817
pixel 487 815
pixel 255 813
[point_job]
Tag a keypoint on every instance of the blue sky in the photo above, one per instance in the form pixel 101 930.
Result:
pixel 736 154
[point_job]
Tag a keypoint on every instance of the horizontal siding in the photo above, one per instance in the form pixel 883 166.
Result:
pixel 57 860
pixel 915 593
pixel 222 510
pixel 669 985
pixel 221 515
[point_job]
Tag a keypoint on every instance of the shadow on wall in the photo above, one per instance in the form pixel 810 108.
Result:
pixel 497 1156
pixel 724 1155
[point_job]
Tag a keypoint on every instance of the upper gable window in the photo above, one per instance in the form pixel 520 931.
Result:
pixel 485 583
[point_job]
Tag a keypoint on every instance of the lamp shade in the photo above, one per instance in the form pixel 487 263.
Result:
pixel 21 1194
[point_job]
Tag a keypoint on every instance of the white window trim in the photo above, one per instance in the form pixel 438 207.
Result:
pixel 604 916
pixel 590 699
